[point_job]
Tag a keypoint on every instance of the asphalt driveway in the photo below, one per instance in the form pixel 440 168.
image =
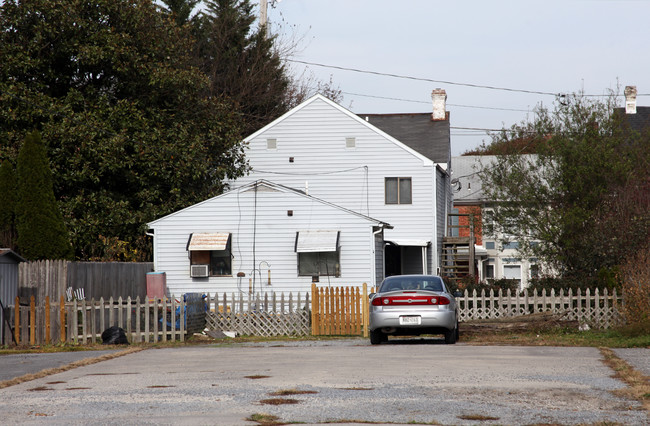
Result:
pixel 328 381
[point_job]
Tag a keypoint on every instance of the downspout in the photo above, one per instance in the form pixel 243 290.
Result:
pixel 373 272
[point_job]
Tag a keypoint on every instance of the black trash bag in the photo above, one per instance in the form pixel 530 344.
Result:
pixel 114 336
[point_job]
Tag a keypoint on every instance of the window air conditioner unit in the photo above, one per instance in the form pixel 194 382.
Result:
pixel 199 271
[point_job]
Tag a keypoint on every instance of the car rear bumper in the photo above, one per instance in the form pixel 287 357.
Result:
pixel 434 320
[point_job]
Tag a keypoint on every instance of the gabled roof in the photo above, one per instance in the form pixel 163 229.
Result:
pixel 277 187
pixel 11 255
pixel 360 119
pixel 429 137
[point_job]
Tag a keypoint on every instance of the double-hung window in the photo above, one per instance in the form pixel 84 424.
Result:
pixel 398 190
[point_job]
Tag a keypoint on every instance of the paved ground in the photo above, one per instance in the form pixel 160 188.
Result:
pixel 12 366
pixel 420 381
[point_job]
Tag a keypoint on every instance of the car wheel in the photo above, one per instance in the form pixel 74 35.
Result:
pixel 451 335
pixel 376 337
pixel 457 332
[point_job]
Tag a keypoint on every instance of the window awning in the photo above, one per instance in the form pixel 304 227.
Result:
pixel 317 241
pixel 416 243
pixel 208 241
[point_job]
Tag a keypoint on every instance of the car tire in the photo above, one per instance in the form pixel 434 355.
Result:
pixel 376 337
pixel 451 335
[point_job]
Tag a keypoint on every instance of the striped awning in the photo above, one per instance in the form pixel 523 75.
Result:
pixel 317 241
pixel 208 241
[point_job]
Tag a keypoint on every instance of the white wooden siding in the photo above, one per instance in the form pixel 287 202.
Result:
pixel 315 137
pixel 260 221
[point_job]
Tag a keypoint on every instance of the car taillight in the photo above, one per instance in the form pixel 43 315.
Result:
pixel 410 300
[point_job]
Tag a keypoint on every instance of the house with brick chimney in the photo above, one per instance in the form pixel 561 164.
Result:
pixel 393 168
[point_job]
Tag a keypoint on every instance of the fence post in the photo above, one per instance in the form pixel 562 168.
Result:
pixel 365 303
pixel 32 319
pixel 314 307
pixel 62 319
pixel 47 320
pixel 17 320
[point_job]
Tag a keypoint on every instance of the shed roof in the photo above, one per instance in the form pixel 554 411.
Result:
pixel 10 254
pixel 639 121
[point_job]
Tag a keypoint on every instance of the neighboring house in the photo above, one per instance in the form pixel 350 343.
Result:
pixel 494 260
pixel 264 237
pixel 393 167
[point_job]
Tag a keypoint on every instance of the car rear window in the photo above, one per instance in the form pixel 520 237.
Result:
pixel 411 283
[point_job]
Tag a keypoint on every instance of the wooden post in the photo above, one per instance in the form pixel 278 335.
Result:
pixel 32 320
pixel 182 321
pixel 47 320
pixel 62 319
pixel 164 319
pixel 138 332
pixel 366 309
pixel 314 306
pixel 17 320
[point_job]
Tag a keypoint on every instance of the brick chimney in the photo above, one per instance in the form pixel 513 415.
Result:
pixel 630 99
pixel 439 97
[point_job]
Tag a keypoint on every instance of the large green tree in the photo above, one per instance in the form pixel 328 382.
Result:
pixel 41 231
pixel 578 203
pixel 129 130
pixel 8 197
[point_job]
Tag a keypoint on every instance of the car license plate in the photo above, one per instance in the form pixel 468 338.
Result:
pixel 410 320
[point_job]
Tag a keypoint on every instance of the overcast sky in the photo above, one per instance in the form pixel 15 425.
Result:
pixel 540 46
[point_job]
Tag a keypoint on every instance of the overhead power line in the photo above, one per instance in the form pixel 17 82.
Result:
pixel 407 77
pixel 480 86
pixel 426 102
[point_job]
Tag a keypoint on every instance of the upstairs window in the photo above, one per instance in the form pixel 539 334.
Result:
pixel 398 190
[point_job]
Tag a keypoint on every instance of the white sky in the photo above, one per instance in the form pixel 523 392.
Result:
pixel 545 46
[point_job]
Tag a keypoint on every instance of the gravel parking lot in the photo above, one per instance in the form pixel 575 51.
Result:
pixel 420 380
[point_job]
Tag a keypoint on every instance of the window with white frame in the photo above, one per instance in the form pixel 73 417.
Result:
pixel 398 190
pixel 318 253
pixel 211 249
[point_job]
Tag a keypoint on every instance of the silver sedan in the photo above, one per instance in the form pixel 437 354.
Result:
pixel 411 305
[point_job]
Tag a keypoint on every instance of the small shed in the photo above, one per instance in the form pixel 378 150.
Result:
pixel 9 261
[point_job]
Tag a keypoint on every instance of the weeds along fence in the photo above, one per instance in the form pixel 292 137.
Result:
pixel 598 309
pixel 82 321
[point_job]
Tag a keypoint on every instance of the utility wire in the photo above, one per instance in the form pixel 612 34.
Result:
pixel 480 86
pixel 407 77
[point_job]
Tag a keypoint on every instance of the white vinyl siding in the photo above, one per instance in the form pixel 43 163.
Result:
pixel 353 179
pixel 263 238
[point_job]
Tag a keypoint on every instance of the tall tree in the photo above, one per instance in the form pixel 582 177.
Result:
pixel 242 62
pixel 41 231
pixel 180 10
pixel 131 134
pixel 567 195
pixel 8 202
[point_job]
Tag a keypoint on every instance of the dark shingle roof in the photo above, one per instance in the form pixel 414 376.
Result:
pixel 417 131
pixel 639 121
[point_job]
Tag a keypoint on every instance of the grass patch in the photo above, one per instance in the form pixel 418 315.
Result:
pixel 257 377
pixel 40 389
pixel 477 417
pixel 287 392
pixel 159 386
pixel 638 385
pixel 279 401
pixel 265 419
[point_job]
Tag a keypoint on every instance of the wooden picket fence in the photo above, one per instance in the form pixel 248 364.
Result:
pixel 82 321
pixel 339 311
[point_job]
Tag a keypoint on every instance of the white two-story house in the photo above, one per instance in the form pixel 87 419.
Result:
pixel 332 196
